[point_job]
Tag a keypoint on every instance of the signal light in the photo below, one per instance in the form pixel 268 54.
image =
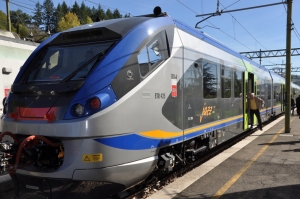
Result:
pixel 95 103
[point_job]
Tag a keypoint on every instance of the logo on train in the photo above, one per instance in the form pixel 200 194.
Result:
pixel 174 85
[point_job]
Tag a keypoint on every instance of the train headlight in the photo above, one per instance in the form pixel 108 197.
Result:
pixel 95 103
pixel 78 109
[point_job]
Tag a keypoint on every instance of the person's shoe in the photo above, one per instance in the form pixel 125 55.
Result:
pixel 251 127
pixel 261 128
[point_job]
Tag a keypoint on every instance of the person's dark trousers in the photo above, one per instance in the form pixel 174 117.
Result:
pixel 257 114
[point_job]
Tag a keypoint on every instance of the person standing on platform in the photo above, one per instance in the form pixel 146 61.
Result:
pixel 298 105
pixel 254 104
pixel 292 105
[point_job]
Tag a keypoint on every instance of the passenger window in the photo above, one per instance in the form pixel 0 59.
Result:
pixel 226 83
pixel 153 54
pixel 238 84
pixel 209 79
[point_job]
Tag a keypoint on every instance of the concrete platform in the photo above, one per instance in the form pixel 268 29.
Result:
pixel 264 165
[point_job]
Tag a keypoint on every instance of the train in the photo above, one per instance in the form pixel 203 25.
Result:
pixel 103 107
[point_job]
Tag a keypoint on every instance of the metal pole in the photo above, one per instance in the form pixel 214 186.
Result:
pixel 223 11
pixel 288 67
pixel 259 56
pixel 8 16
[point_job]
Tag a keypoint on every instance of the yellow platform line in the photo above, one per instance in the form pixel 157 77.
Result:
pixel 221 191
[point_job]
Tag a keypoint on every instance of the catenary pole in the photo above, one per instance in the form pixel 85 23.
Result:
pixel 288 67
pixel 8 16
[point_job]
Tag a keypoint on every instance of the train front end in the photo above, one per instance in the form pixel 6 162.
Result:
pixel 68 97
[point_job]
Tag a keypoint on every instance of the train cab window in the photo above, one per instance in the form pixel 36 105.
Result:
pixel 226 82
pixel 210 80
pixel 153 54
pixel 56 63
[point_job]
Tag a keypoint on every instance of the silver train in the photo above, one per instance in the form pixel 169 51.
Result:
pixel 102 107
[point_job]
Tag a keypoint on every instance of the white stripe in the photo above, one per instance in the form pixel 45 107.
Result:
pixel 141 161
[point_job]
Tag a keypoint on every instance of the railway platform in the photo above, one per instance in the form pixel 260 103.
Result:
pixel 266 164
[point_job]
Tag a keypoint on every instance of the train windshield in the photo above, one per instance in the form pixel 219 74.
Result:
pixel 58 62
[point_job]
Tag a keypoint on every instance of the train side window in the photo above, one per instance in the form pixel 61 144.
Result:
pixel 153 54
pixel 210 81
pixel 226 82
pixel 238 86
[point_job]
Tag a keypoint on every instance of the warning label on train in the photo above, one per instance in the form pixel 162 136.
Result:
pixel 92 157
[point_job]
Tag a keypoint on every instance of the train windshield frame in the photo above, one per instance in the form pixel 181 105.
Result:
pixel 55 63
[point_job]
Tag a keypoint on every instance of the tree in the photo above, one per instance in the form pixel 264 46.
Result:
pixel 48 15
pixel 3 22
pixel 87 20
pixel 65 9
pixel 127 15
pixel 109 14
pixel 20 17
pixel 70 20
pixel 82 13
pixel 98 14
pixel 38 14
pixel 117 14
pixel 22 30
pixel 58 14
pixel 75 9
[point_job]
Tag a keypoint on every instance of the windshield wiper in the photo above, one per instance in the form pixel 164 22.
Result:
pixel 97 57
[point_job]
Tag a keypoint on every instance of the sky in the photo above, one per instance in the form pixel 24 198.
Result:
pixel 243 31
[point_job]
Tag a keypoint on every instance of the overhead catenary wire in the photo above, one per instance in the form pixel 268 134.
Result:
pixel 228 34
pixel 294 29
pixel 21 3
pixel 215 26
pixel 246 29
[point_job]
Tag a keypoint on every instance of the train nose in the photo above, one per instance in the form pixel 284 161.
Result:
pixel 35 107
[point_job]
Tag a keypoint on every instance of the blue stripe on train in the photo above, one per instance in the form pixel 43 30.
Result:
pixel 137 142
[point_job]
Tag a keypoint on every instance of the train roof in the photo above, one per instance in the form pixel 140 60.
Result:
pixel 207 38
pixel 121 25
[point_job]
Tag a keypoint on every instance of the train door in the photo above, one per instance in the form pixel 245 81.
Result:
pixel 249 87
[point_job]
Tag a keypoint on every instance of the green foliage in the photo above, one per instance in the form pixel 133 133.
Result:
pixel 117 14
pixel 70 20
pixel 75 9
pixel 87 20
pixel 38 14
pixel 46 17
pixel 3 22
pixel 98 14
pixel 127 15
pixel 65 8
pixel 19 17
pixel 109 14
